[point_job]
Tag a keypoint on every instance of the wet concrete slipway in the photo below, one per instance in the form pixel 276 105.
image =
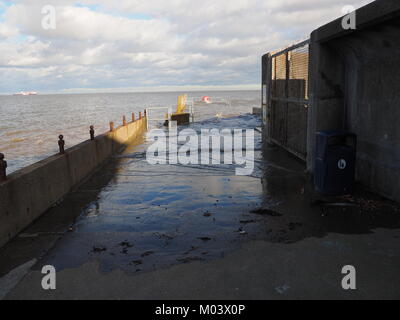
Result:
pixel 141 231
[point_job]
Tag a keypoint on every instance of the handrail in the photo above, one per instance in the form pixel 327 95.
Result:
pixel 148 117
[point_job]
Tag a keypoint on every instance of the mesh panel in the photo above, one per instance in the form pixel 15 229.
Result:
pixel 289 94
pixel 298 70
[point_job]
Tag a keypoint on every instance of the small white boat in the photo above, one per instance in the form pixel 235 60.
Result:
pixel 26 93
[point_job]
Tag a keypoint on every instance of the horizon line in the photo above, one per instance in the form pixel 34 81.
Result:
pixel 159 89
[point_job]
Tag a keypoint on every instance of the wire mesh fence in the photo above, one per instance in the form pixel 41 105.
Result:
pixel 285 97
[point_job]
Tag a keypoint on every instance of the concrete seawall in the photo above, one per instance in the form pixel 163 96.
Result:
pixel 29 192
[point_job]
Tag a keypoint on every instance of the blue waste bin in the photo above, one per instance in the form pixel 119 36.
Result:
pixel 335 162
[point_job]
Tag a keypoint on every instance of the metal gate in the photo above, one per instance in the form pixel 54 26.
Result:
pixel 285 98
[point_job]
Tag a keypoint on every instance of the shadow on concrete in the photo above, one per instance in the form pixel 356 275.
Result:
pixel 39 237
pixel 302 213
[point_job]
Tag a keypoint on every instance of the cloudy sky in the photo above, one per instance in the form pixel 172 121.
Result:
pixel 126 45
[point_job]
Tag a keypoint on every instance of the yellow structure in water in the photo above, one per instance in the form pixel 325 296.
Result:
pixel 180 116
pixel 182 101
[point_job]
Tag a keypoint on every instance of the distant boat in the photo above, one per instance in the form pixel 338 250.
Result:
pixel 26 93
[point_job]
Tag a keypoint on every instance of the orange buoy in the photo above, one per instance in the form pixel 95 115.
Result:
pixel 206 99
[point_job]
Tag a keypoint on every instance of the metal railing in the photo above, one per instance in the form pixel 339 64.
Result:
pixel 167 114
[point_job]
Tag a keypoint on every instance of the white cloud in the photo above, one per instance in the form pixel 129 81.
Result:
pixel 139 43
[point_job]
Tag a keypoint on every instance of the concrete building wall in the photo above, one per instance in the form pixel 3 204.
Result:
pixel 29 192
pixel 355 85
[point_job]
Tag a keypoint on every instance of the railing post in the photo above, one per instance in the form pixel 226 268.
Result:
pixel 133 117
pixel 3 168
pixel 91 132
pixel 111 126
pixel 124 121
pixel 61 143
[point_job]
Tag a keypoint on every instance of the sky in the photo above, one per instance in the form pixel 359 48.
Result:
pixel 150 45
